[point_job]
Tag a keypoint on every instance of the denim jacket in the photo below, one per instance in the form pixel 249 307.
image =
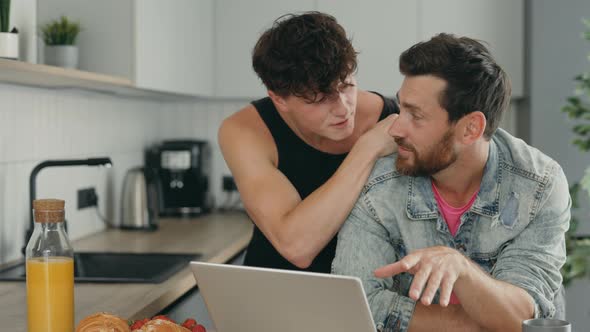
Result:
pixel 514 230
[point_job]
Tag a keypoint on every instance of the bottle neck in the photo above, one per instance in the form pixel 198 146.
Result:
pixel 50 226
pixel 49 239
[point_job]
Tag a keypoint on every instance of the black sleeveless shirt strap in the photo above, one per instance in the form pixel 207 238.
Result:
pixel 279 130
pixel 389 106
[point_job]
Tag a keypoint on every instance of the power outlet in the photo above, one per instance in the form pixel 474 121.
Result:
pixel 228 183
pixel 87 197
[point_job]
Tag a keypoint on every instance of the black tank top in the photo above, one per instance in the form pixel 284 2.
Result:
pixel 307 169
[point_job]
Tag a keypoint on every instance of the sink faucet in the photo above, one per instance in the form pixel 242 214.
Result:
pixel 105 161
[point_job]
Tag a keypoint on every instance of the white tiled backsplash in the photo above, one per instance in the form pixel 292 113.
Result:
pixel 39 124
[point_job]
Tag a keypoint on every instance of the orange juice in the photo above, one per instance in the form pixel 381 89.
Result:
pixel 50 294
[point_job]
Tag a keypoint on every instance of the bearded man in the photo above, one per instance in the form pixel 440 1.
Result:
pixel 463 228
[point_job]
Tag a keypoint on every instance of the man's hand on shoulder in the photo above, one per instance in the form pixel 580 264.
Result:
pixel 378 139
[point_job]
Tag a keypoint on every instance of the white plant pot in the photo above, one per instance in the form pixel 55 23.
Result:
pixel 62 56
pixel 9 45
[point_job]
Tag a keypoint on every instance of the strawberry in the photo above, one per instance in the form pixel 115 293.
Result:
pixel 138 324
pixel 189 323
pixel 164 318
pixel 199 328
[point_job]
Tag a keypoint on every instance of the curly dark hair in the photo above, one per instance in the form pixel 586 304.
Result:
pixel 305 55
pixel 475 82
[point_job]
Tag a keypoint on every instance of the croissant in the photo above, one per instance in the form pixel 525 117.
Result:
pixel 103 322
pixel 161 325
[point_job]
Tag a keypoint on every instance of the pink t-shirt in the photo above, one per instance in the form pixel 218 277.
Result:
pixel 452 216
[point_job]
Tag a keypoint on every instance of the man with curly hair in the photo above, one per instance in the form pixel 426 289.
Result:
pixel 301 156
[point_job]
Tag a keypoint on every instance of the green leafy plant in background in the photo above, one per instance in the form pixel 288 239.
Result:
pixel 60 32
pixel 4 15
pixel 577 264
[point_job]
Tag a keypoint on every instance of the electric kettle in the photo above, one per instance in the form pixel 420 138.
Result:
pixel 139 200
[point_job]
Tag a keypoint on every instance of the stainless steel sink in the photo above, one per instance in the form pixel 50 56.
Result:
pixel 116 267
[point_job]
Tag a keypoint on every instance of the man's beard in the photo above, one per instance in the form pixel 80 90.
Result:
pixel 440 157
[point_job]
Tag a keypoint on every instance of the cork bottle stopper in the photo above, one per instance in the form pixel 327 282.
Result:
pixel 49 210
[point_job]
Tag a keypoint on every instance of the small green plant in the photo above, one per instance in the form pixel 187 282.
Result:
pixel 4 15
pixel 577 264
pixel 60 32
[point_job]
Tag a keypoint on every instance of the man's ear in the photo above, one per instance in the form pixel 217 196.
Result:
pixel 279 101
pixel 473 127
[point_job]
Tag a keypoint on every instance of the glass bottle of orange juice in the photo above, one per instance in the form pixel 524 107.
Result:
pixel 50 271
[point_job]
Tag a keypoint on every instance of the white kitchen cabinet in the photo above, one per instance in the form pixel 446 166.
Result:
pixel 159 45
pixel 500 23
pixel 238 25
pixel 380 30
pixel 174 45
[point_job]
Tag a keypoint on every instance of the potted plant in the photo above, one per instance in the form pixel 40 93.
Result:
pixel 578 107
pixel 8 39
pixel 60 38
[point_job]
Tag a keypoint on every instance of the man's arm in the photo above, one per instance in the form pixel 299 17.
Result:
pixel 527 275
pixel 298 229
pixel 532 261
pixel 439 318
pixel 364 245
pixel 434 268
pixel 502 300
pixel 447 269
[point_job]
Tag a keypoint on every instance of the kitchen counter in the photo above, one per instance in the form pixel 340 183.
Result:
pixel 219 237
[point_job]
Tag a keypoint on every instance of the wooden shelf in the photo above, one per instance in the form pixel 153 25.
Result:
pixel 51 77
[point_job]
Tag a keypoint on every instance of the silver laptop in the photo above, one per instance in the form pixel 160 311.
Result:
pixel 249 299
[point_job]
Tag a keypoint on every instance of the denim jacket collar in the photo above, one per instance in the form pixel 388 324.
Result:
pixel 421 204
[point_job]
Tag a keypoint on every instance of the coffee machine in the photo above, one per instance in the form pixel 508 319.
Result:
pixel 182 168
